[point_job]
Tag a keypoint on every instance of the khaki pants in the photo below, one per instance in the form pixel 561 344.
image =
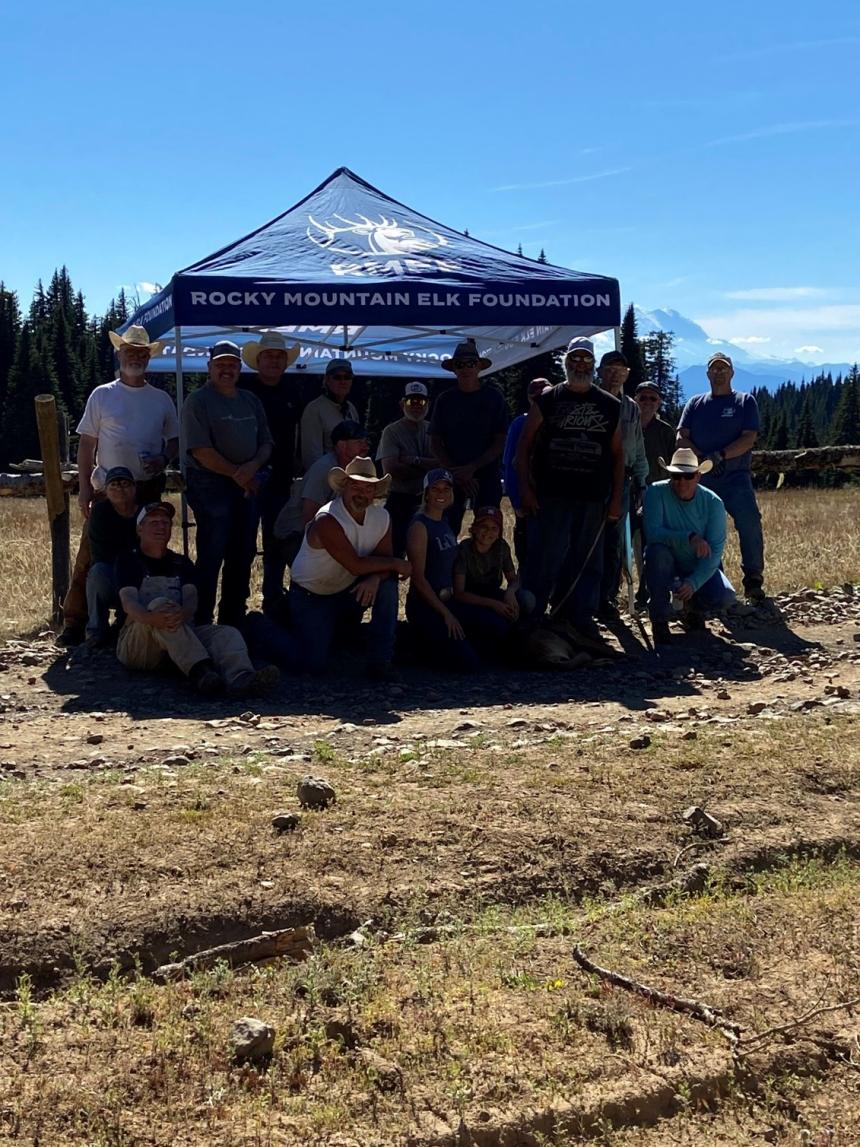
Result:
pixel 143 647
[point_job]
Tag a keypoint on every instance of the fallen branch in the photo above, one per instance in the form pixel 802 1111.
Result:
pixel 705 1013
pixel 780 1029
pixel 294 943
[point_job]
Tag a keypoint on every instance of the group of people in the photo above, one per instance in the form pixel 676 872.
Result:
pixel 585 470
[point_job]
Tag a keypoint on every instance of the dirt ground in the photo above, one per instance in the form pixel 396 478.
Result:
pixel 481 825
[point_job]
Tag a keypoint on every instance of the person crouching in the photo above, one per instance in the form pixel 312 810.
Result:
pixel 158 591
pixel 345 566
pixel 685 528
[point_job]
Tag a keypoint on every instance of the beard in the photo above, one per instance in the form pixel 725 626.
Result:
pixel 413 416
pixel 134 369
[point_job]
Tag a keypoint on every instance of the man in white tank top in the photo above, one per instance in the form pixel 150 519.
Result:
pixel 345 566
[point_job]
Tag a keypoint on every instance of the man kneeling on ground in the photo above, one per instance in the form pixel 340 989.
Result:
pixel 344 567
pixel 685 528
pixel 159 595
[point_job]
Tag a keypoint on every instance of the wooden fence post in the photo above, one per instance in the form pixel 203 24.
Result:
pixel 58 501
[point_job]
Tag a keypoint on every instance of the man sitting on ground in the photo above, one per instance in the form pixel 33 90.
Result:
pixel 112 529
pixel 685 528
pixel 159 595
pixel 344 567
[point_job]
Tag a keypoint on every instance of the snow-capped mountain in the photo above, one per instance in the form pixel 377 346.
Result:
pixel 693 347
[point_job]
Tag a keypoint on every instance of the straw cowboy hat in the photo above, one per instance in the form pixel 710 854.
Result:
pixel 685 462
pixel 465 349
pixel 135 336
pixel 271 340
pixel 359 470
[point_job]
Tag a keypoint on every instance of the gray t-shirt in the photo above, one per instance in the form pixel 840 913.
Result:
pixel 314 486
pixel 235 427
pixel 405 438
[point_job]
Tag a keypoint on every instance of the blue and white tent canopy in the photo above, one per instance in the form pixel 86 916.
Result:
pixel 348 271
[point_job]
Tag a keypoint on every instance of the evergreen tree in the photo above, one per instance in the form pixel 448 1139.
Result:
pixel 542 256
pixel 805 436
pixel 30 375
pixel 632 351
pixel 846 421
pixel 65 362
pixel 779 433
pixel 10 325
pixel 519 248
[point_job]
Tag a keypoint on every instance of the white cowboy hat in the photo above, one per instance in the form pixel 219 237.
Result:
pixel 685 462
pixel 271 340
pixel 359 470
pixel 135 336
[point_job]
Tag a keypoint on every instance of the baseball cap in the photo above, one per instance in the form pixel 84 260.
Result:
pixel 613 356
pixel 580 344
pixel 489 513
pixel 538 386
pixel 224 349
pixel 338 364
pixel 440 474
pixel 648 386
pixel 118 474
pixel 156 508
pixel 415 388
pixel 720 357
pixel 347 429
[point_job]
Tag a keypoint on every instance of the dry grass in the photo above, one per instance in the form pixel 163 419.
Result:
pixel 807 542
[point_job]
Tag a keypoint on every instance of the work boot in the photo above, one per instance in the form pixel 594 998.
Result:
pixel 70 636
pixel 660 633
pixel 754 590
pixel 608 611
pixel 205 679
pixel 693 621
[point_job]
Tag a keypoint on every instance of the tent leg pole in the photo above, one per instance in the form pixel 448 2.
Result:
pixel 180 399
pixel 617 333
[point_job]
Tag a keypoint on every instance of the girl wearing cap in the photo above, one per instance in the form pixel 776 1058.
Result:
pixel 484 560
pixel 431 547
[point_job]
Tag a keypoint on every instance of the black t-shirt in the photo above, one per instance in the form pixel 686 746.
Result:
pixel 133 567
pixel 283 407
pixel 110 533
pixel 572 452
pixel 469 421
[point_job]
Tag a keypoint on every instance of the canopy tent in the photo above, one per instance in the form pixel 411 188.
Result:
pixel 349 271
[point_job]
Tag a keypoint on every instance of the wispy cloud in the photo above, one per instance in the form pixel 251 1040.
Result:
pixel 808 350
pixel 813 320
pixel 150 288
pixel 777 129
pixel 749 340
pixel 776 294
pixel 517 227
pixel 762 50
pixel 562 182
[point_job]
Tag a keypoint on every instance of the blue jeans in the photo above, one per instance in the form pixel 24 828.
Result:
pixel 226 537
pixel 489 494
pixel 661 569
pixel 317 616
pixel 430 637
pixel 613 550
pixel 567 530
pixel 738 495
pixel 101 598
pixel 270 501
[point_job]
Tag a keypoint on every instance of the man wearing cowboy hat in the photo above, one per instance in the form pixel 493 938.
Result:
pixel 346 566
pixel 406 454
pixel 467 433
pixel 685 528
pixel 126 423
pixel 723 426
pixel 324 413
pixel 269 356
pixel 227 443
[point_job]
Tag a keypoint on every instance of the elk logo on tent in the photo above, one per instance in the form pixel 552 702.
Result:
pixel 363 237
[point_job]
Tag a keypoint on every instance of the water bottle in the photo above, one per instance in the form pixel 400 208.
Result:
pixel 677 603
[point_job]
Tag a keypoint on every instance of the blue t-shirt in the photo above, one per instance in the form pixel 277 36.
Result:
pixel 509 470
pixel 713 421
pixel 441 552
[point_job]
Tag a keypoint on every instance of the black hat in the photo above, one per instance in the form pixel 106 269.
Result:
pixel 118 474
pixel 613 356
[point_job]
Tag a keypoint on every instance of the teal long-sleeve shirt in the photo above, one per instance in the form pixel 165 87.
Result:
pixel 670 521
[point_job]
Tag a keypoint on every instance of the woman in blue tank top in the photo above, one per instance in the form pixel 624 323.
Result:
pixel 431 546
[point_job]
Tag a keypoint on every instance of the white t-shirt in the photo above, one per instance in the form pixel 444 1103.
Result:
pixel 127 421
pixel 316 570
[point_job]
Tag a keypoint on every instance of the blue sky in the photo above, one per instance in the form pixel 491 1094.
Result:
pixel 708 156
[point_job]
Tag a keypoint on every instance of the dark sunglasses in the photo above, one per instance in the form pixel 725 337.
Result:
pixel 581 358
pixel 340 376
pixel 465 363
pixel 684 477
